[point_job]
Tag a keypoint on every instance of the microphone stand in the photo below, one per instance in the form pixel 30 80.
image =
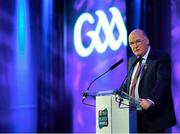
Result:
pixel 85 93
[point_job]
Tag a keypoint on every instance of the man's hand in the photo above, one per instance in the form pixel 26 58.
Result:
pixel 145 103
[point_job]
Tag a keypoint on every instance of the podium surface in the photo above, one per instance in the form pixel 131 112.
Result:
pixel 114 117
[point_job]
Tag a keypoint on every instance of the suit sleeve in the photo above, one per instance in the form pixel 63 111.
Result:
pixel 163 79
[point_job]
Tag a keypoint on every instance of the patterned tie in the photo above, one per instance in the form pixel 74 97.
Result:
pixel 132 93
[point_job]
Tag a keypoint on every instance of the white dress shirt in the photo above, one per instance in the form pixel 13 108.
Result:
pixel 138 80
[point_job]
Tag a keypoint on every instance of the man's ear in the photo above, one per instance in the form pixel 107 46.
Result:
pixel 147 41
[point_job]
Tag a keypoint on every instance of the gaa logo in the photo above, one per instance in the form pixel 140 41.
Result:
pixel 103 118
pixel 102 24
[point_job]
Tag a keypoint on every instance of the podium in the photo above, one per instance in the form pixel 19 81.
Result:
pixel 114 116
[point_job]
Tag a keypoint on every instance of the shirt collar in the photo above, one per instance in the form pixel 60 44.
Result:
pixel 147 53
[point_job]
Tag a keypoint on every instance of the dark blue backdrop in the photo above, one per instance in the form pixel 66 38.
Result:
pixel 41 73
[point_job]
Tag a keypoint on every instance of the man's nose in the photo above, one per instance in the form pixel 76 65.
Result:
pixel 135 45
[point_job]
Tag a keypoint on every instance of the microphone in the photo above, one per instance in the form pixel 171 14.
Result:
pixel 116 64
pixel 85 93
pixel 132 66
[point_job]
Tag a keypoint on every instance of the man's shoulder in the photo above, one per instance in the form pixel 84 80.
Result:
pixel 158 54
pixel 132 59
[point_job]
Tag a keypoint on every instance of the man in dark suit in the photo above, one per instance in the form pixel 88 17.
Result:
pixel 150 82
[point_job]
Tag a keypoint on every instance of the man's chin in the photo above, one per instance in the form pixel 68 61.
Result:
pixel 137 54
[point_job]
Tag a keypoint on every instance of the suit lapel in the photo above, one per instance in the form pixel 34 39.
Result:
pixel 130 73
pixel 129 79
pixel 147 64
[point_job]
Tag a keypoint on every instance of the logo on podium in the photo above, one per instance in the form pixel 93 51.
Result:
pixel 103 118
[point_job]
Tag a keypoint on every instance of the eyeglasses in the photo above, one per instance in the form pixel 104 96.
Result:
pixel 137 42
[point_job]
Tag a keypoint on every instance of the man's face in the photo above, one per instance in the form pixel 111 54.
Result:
pixel 138 43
